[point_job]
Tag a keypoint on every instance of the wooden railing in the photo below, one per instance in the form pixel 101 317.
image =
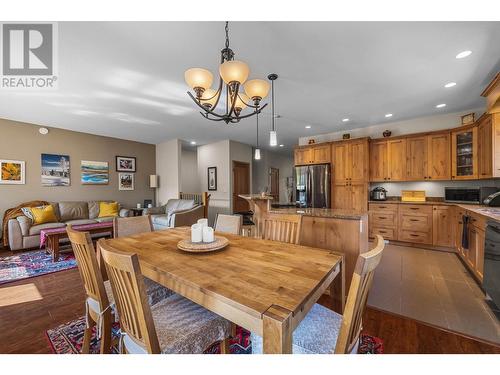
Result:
pixel 199 198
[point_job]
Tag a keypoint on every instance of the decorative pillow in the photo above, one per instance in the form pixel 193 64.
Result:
pixel 43 214
pixel 107 209
pixel 27 212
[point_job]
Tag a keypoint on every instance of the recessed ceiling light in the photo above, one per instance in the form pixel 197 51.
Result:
pixel 282 145
pixel 388 115
pixel 450 84
pixel 441 105
pixel 463 54
pixel 345 119
pixel 193 142
pixel 308 126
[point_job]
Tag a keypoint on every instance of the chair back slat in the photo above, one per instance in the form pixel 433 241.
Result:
pixel 86 259
pixel 131 299
pixel 228 223
pixel 128 226
pixel 283 228
pixel 358 295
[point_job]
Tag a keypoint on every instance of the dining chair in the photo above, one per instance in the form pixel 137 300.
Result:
pixel 324 331
pixel 228 223
pixel 283 228
pixel 128 226
pixel 100 300
pixel 174 325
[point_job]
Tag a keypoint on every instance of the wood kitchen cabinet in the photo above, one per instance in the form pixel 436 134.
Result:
pixel 318 154
pixel 428 157
pixel 443 226
pixel 485 147
pixel 388 160
pixel 464 149
pixel 415 223
pixel 350 196
pixel 417 158
pixel 378 161
pixel 350 160
pixel 473 256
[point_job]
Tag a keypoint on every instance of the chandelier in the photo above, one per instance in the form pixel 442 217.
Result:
pixel 233 75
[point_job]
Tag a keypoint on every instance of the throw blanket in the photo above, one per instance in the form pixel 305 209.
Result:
pixel 12 213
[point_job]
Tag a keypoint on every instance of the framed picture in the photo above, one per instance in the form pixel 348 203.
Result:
pixel 94 172
pixel 12 172
pixel 125 181
pixel 468 118
pixel 55 170
pixel 125 164
pixel 212 178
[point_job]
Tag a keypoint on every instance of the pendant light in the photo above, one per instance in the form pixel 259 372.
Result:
pixel 257 149
pixel 273 136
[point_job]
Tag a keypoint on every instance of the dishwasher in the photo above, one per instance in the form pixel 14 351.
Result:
pixel 491 275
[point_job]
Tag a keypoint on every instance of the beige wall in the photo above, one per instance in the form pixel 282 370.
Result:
pixel 168 168
pixel 21 141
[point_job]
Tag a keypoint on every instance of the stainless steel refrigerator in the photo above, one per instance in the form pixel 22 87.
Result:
pixel 313 186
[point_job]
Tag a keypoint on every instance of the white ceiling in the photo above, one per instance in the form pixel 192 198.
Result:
pixel 126 79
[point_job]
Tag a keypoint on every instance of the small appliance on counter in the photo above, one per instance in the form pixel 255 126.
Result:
pixel 379 194
pixel 493 200
pixel 473 195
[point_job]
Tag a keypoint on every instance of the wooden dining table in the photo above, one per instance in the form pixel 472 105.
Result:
pixel 266 287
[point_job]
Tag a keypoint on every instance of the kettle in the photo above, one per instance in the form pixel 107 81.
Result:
pixel 379 194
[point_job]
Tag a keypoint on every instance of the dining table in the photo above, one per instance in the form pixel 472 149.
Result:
pixel 266 287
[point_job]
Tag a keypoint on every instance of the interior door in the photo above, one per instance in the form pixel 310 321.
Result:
pixel 274 183
pixel 241 185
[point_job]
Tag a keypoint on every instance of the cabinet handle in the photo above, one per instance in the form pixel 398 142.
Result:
pixel 414 208
pixel 382 217
pixel 382 231
pixel 413 220
pixel 414 235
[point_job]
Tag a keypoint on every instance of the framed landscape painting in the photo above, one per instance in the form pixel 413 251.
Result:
pixel 125 181
pixel 12 172
pixel 125 164
pixel 95 172
pixel 55 170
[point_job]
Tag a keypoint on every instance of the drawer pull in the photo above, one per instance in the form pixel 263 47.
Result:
pixel 382 217
pixel 414 235
pixel 414 208
pixel 382 231
pixel 414 220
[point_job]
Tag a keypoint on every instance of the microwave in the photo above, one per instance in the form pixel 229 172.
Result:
pixel 474 195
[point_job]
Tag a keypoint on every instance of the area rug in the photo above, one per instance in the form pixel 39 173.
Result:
pixel 31 264
pixel 68 339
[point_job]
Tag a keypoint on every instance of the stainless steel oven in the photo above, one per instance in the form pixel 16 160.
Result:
pixel 491 274
pixel 474 195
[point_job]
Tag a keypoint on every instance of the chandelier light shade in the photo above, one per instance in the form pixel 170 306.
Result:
pixel 233 74
pixel 257 154
pixel 273 138
pixel 257 89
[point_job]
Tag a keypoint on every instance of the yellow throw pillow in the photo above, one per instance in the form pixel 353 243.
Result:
pixel 108 209
pixel 43 214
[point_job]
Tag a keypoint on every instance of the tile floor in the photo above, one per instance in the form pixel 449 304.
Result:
pixel 433 287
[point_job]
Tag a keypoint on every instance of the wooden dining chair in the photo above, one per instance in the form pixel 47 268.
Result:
pixel 324 331
pixel 283 228
pixel 174 325
pixel 128 226
pixel 228 223
pixel 99 299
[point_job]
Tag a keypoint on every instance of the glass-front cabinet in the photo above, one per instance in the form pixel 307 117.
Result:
pixel 464 154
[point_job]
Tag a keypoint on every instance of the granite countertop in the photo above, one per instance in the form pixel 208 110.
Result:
pixel 321 212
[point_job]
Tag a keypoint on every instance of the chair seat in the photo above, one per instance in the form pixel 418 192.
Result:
pixel 185 327
pixel 316 334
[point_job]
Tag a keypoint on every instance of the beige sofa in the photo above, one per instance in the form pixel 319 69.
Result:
pixel 176 213
pixel 23 235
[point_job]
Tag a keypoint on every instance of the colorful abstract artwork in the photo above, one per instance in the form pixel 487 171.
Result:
pixel 94 172
pixel 55 170
pixel 12 172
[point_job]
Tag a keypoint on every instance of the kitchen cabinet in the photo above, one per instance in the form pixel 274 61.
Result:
pixel 428 157
pixel 443 228
pixel 485 147
pixel 350 161
pixel 464 160
pixel 350 196
pixel 383 220
pixel 415 223
pixel 388 160
pixel 473 256
pixel 417 158
pixel 318 154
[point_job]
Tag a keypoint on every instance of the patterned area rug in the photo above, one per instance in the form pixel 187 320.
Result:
pixel 68 338
pixel 31 264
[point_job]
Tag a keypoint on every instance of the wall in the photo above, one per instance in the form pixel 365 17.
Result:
pixel 243 153
pixel 189 176
pixel 22 141
pixel 422 124
pixel 284 163
pixel 168 166
pixel 216 155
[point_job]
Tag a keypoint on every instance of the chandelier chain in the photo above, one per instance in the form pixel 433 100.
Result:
pixel 227 34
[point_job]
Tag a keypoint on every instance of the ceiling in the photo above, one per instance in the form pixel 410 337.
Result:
pixel 126 79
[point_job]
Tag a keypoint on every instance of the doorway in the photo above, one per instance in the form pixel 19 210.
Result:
pixel 274 184
pixel 241 185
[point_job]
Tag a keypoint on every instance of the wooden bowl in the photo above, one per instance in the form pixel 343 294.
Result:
pixel 202 247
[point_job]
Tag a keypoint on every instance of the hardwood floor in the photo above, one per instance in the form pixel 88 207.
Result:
pixel 57 298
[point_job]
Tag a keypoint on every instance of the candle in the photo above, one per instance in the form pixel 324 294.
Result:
pixel 150 205
pixel 208 234
pixel 138 205
pixel 196 233
pixel 203 222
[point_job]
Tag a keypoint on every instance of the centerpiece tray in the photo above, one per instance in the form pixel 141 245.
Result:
pixel 202 247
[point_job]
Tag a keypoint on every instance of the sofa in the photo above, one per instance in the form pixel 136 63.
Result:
pixel 24 235
pixel 176 213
